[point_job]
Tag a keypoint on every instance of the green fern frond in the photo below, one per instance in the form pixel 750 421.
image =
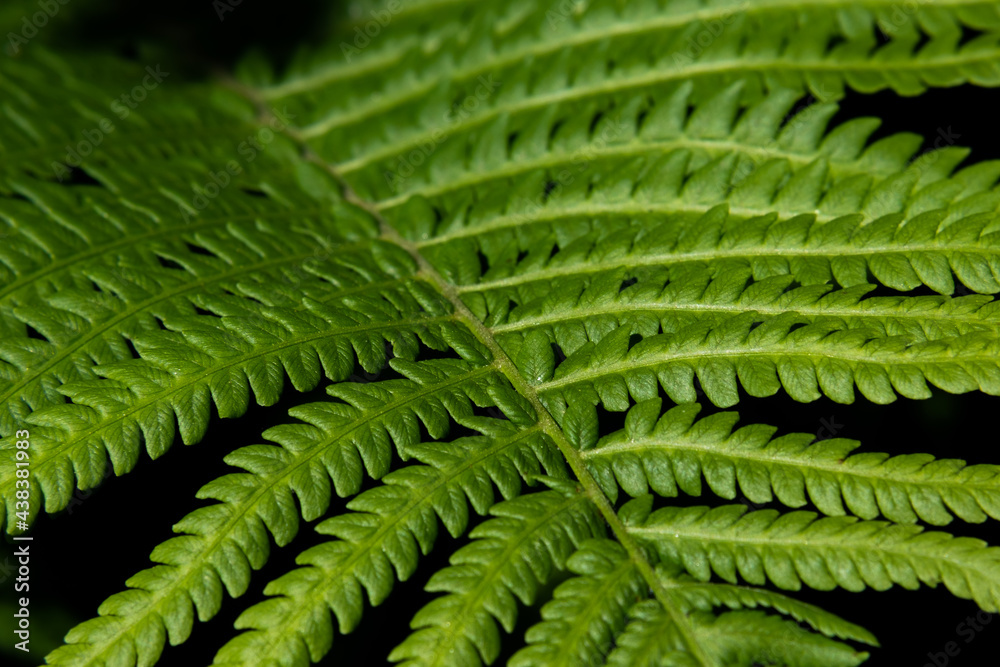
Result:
pixel 201 361
pixel 798 548
pixel 112 268
pixel 673 453
pixel 572 633
pixel 510 557
pixel 331 449
pixel 59 100
pixel 586 612
pixel 902 254
pixel 743 638
pixel 577 314
pixel 646 641
pixel 381 539
pixel 763 357
pixel 648 44
pixel 486 231
pixel 663 143
pixel 693 595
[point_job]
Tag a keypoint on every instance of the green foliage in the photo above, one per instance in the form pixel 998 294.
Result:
pixel 673 454
pixel 482 232
pixel 798 548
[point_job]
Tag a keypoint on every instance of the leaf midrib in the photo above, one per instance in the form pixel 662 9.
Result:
pixel 750 252
pixel 196 284
pixel 25 281
pixel 639 81
pixel 627 28
pixel 902 545
pixel 545 419
pixel 749 350
pixel 819 313
pixel 836 469
pixel 52 453
pixel 342 118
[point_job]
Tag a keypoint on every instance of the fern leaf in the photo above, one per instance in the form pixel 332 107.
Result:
pixel 647 641
pixel 381 539
pixel 91 286
pixel 673 454
pixel 207 360
pixel 638 632
pixel 538 212
pixel 56 96
pixel 575 46
pixel 510 557
pixel 902 254
pixel 636 163
pixel 671 154
pixel 745 638
pixel 586 612
pixel 807 362
pixel 692 595
pixel 579 313
pixel 823 553
pixel 241 347
pixel 221 543
pixel 740 638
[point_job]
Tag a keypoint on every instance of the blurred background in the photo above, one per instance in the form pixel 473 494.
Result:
pixel 86 552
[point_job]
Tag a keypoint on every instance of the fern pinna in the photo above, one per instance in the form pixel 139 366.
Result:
pixel 519 217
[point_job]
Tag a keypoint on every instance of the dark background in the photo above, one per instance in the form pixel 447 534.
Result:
pixel 83 554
